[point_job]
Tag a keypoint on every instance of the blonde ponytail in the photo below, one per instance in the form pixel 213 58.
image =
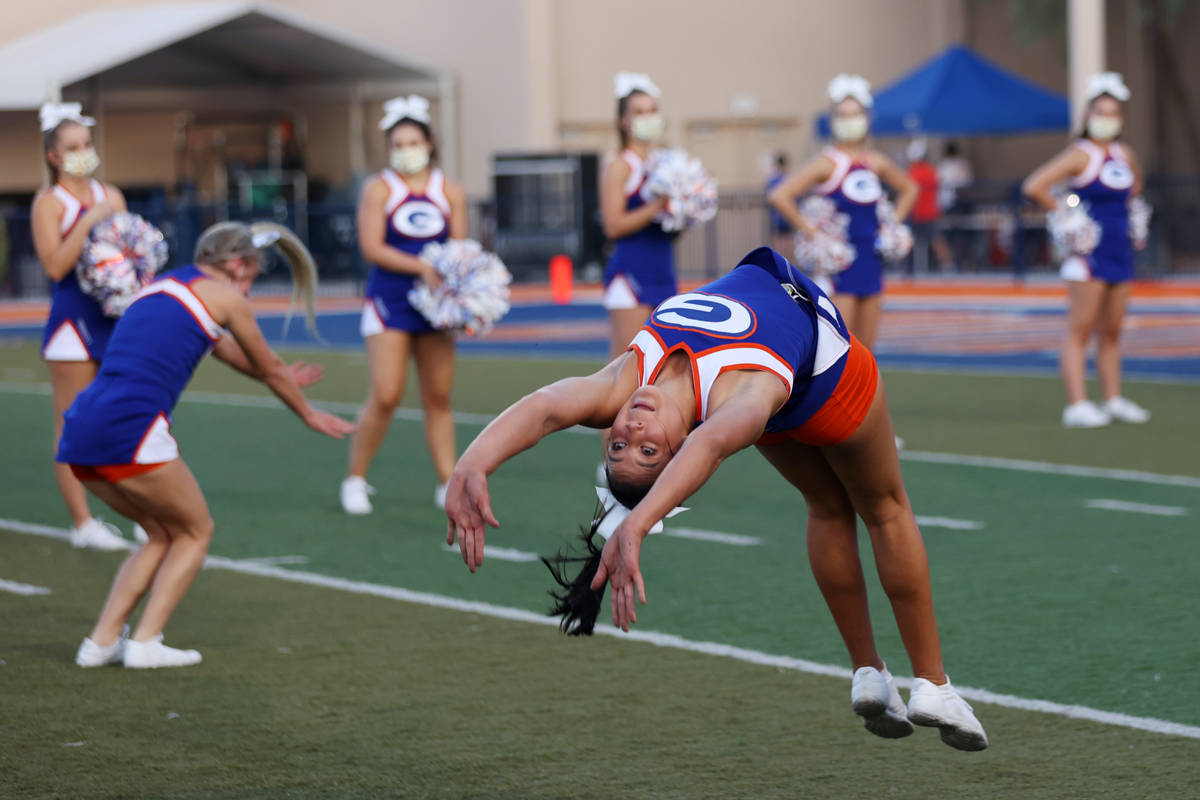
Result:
pixel 304 270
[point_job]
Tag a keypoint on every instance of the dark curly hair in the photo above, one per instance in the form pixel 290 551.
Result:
pixel 575 601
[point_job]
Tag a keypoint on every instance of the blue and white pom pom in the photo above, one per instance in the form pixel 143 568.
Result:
pixel 830 252
pixel 1072 231
pixel 1140 213
pixel 474 291
pixel 894 240
pixel 690 191
pixel 121 255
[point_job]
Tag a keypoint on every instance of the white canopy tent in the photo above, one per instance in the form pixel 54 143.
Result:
pixel 228 57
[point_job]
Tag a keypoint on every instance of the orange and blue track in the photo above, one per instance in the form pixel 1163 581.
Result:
pixel 952 325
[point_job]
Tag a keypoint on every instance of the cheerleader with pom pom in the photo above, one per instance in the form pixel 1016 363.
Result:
pixel 117 433
pixel 408 205
pixel 849 173
pixel 641 270
pixel 77 331
pixel 1096 229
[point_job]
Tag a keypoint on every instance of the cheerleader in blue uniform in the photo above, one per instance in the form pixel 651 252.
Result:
pixel 77 330
pixel 849 172
pixel 117 433
pixel 408 205
pixel 758 357
pixel 1104 173
pixel 641 269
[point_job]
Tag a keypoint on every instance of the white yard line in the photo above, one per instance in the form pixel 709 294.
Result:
pixel 274 561
pixel 1137 508
pixel 27 589
pixel 952 524
pixel 499 553
pixel 658 639
pixel 735 539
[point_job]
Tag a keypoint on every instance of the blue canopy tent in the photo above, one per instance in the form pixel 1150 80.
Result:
pixel 959 93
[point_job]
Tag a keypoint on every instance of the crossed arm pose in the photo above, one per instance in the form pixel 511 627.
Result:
pixel 759 357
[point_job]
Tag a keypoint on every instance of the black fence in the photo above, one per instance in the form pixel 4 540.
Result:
pixel 989 233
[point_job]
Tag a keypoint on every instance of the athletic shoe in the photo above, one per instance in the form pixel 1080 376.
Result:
pixel 941 707
pixel 154 654
pixel 356 495
pixel 873 697
pixel 439 496
pixel 139 534
pixel 97 535
pixel 899 442
pixel 1084 414
pixel 1123 410
pixel 91 654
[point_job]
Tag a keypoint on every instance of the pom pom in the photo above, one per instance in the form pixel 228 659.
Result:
pixel 690 191
pixel 474 290
pixel 1071 229
pixel 1140 213
pixel 122 255
pixel 828 252
pixel 894 240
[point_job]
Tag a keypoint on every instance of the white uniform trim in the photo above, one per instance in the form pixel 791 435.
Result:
pixel 371 323
pixel 1095 161
pixel 158 445
pixel 399 190
pixel 831 345
pixel 189 300
pixel 841 168
pixel 637 172
pixel 72 206
pixel 619 295
pixel 65 344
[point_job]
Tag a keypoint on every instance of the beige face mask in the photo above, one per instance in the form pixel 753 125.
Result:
pixel 647 127
pixel 81 163
pixel 409 160
pixel 1103 128
pixel 850 129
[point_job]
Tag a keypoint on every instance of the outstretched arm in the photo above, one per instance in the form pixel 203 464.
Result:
pixel 228 350
pixel 593 401
pixel 736 424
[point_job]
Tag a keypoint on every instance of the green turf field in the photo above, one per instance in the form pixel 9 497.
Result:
pixel 309 691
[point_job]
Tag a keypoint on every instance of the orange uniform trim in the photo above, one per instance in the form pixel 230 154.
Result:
pixel 845 409
pixel 113 473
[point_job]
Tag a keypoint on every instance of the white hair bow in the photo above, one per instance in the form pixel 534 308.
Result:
pixel 615 514
pixel 1110 83
pixel 398 108
pixel 626 83
pixel 53 114
pixel 846 85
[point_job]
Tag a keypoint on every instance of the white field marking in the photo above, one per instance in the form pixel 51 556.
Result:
pixel 413 415
pixel 22 588
pixel 735 539
pixel 756 657
pixel 499 553
pixel 1137 508
pixel 947 522
pixel 1074 470
pixel 277 560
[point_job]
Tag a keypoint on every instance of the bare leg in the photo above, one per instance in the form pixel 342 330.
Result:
pixel 1108 350
pixel 832 545
pixel 1083 309
pixel 866 326
pixel 68 379
pixel 435 369
pixel 868 466
pixel 387 353
pixel 847 304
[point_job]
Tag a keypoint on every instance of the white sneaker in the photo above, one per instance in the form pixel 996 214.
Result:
pixel 899 442
pixel 139 534
pixel 1123 410
pixel 154 654
pixel 1084 414
pixel 941 707
pixel 91 654
pixel 356 495
pixel 97 535
pixel 439 496
pixel 874 697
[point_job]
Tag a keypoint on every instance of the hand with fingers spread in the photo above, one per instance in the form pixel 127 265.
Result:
pixel 330 424
pixel 619 566
pixel 468 513
pixel 305 374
